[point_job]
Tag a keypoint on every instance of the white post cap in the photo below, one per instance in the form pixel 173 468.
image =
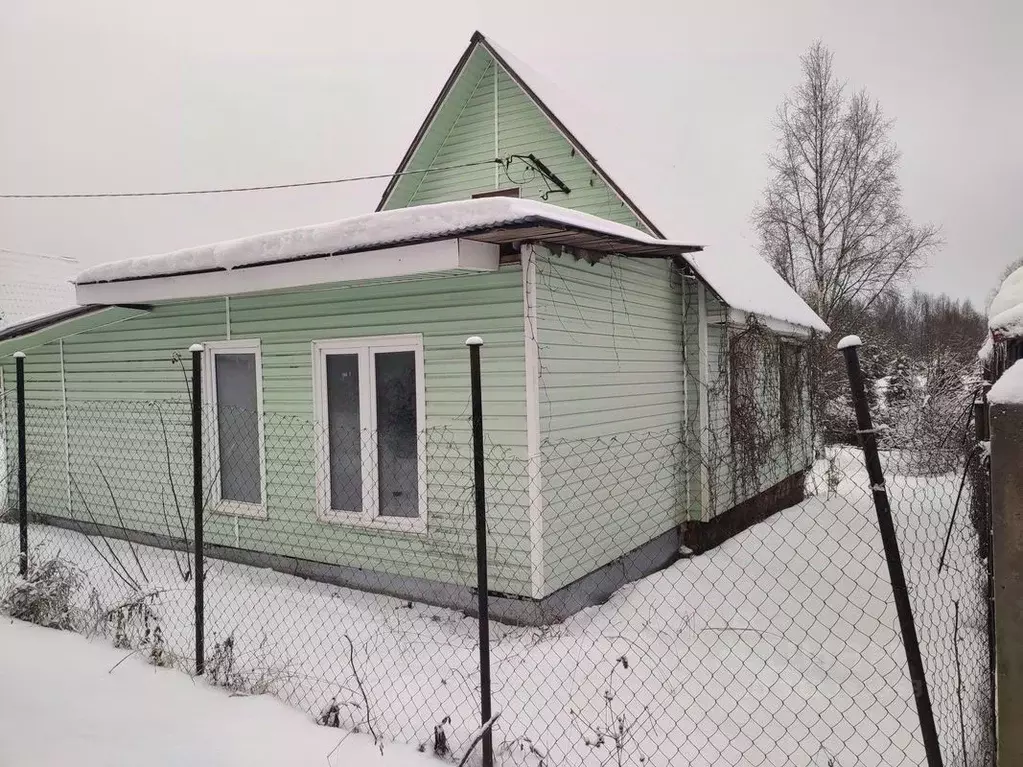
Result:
pixel 19 355
pixel 195 348
pixel 474 341
pixel 849 342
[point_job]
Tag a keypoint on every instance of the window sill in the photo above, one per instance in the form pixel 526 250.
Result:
pixel 240 509
pixel 406 525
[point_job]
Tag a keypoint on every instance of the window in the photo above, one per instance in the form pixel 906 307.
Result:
pixel 368 396
pixel 233 386
pixel 790 385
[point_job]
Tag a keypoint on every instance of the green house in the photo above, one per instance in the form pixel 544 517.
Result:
pixel 642 397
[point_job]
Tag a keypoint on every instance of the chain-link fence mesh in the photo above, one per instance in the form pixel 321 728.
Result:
pixel 630 623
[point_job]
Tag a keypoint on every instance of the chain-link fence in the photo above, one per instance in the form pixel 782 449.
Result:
pixel 638 615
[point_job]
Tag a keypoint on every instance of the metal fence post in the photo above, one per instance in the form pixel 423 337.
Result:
pixel 197 505
pixel 868 440
pixel 19 363
pixel 985 530
pixel 482 588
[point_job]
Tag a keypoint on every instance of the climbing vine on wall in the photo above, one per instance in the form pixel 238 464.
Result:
pixel 754 404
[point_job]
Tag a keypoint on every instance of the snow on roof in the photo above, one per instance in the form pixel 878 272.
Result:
pixel 371 231
pixel 740 277
pixel 616 152
pixel 1008 390
pixel 745 281
pixel 1005 315
pixel 33 285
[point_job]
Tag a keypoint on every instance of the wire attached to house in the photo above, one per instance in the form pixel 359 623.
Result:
pixel 30 254
pixel 230 190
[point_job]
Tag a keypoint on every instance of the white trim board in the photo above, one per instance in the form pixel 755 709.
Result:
pixel 532 351
pixel 382 263
pixel 703 382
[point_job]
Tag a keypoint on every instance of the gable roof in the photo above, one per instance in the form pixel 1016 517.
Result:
pixel 542 93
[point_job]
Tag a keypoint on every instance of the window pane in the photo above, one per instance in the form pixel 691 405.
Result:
pixel 238 427
pixel 344 432
pixel 397 438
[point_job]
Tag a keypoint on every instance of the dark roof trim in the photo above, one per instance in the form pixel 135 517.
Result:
pixel 34 325
pixel 27 327
pixel 479 39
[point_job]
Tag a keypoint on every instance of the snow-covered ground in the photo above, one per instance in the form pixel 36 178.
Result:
pixel 71 702
pixel 779 647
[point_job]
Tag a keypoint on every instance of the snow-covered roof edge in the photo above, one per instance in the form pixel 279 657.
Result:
pixel 1008 389
pixel 743 282
pixel 374 231
pixel 1005 315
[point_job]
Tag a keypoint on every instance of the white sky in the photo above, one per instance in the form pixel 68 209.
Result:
pixel 122 95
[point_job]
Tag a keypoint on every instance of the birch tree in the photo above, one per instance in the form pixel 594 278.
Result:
pixel 831 221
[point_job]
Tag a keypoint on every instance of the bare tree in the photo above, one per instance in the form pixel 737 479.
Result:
pixel 832 221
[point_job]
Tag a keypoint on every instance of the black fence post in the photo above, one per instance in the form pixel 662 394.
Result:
pixel 197 505
pixel 19 364
pixel 849 347
pixel 985 531
pixel 482 588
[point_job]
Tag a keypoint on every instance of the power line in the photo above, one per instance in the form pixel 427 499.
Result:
pixel 181 193
pixel 68 259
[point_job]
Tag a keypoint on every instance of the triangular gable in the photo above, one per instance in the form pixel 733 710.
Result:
pixel 464 81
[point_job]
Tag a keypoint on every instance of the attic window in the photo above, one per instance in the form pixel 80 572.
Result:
pixel 512 191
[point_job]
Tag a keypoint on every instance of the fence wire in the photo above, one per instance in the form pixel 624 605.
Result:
pixel 648 608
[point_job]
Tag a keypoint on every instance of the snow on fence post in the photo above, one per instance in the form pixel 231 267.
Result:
pixel 482 587
pixel 849 347
pixel 197 495
pixel 19 363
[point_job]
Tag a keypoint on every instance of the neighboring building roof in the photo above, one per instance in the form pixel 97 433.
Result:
pixel 1005 315
pixel 492 220
pixel 34 284
pixel 1008 390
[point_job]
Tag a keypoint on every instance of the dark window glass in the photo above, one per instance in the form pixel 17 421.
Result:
pixel 238 428
pixel 397 435
pixel 344 432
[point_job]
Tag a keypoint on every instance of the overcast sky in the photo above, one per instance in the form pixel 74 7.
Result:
pixel 123 95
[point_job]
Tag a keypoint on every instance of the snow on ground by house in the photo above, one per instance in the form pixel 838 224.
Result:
pixel 779 647
pixel 1008 390
pixel 71 702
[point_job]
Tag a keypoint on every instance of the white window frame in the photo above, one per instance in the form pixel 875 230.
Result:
pixel 366 348
pixel 210 350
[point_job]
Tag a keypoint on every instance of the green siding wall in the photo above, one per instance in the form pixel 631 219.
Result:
pixel 521 128
pixel 611 408
pixel 121 379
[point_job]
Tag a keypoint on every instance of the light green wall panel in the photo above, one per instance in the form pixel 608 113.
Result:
pixel 520 128
pixel 611 408
pixel 122 378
